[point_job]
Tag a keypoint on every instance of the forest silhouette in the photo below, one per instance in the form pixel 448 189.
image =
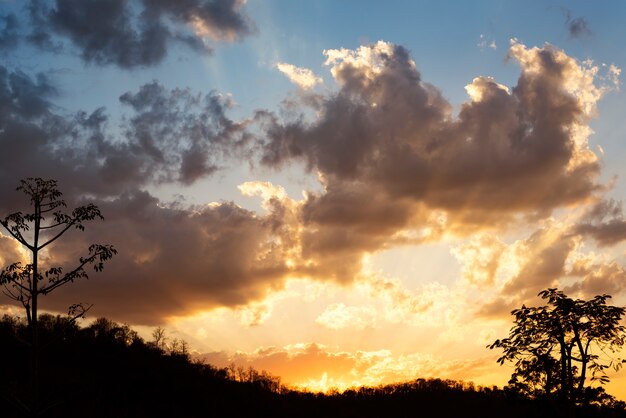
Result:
pixel 107 370
pixel 54 368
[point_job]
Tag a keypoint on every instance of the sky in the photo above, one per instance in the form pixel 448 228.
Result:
pixel 340 193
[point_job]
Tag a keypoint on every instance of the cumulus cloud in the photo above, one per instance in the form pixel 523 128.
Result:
pixel 135 33
pixel 302 77
pixel 398 167
pixel 389 128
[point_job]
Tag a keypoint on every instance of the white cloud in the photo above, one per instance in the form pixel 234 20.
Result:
pixel 483 43
pixel 302 77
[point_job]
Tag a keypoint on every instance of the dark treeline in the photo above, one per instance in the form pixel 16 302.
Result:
pixel 107 370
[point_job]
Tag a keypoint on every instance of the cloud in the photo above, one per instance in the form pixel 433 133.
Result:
pixel 133 34
pixel 317 367
pixel 9 35
pixel 579 276
pixel 254 314
pixel 386 301
pixel 395 167
pixel 552 256
pixel 398 167
pixel 597 278
pixel 604 222
pixel 10 251
pixel 612 76
pixel 174 262
pixel 577 27
pixel 387 128
pixel 542 258
pixel 302 77
pixel 173 259
pixel 401 305
pixel 339 316
pixel 480 259
pixel 217 20
pixel 169 136
pixel 180 133
pixel 482 43
pixel 528 266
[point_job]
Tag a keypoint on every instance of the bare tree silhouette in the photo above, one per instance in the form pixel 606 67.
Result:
pixel 45 223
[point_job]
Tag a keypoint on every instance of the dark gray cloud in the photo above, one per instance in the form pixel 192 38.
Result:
pixel 217 19
pixel 135 33
pixel 182 132
pixel 23 98
pixel 169 136
pixel 577 27
pixel 9 34
pixel 105 32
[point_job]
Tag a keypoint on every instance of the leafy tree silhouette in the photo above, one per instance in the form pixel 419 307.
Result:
pixel 36 230
pixel 553 347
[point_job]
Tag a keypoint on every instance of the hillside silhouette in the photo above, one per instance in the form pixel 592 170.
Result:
pixel 107 370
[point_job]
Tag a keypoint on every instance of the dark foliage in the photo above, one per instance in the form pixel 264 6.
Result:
pixel 556 347
pixel 106 370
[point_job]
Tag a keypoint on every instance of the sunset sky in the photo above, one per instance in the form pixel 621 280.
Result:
pixel 338 192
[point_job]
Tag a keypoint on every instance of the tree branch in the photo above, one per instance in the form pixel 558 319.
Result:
pixel 57 236
pixel 17 235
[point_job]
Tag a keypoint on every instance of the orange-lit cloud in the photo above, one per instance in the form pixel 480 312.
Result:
pixel 316 367
pixel 340 316
pixel 10 251
pixel 480 259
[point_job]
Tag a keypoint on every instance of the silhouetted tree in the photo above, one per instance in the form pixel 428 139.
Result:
pixel 553 347
pixel 104 370
pixel 158 338
pixel 45 223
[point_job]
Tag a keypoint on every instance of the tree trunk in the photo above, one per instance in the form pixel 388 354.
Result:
pixel 34 352
pixel 563 370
